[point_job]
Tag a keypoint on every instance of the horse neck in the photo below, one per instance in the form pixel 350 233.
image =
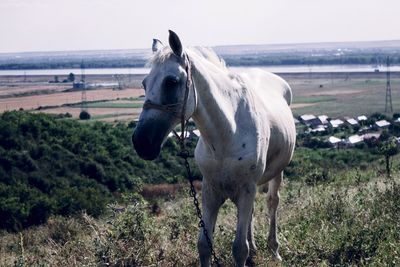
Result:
pixel 214 115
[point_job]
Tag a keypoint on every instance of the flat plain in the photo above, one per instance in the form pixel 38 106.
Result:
pixel 333 94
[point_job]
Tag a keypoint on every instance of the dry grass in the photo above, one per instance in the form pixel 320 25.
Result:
pixel 301 105
pixel 313 223
pixel 165 190
pixel 7 90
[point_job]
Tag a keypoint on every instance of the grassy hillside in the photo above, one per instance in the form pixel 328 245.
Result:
pixel 51 165
pixel 350 219
pixel 79 183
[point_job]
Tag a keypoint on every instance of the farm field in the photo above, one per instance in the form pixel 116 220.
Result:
pixel 343 96
pixel 333 94
pixel 36 94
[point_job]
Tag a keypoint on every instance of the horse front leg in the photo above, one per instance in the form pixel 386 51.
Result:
pixel 250 239
pixel 273 202
pixel 244 205
pixel 211 201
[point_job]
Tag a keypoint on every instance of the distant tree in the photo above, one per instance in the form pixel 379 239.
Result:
pixel 56 79
pixel 388 149
pixel 84 115
pixel 71 77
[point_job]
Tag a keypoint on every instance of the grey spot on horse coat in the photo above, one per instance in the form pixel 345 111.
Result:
pixel 244 145
pixel 240 158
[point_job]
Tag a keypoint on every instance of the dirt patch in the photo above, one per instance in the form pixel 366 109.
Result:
pixel 75 111
pixel 335 92
pixel 301 105
pixel 31 89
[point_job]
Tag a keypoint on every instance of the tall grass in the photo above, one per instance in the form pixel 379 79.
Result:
pixel 348 219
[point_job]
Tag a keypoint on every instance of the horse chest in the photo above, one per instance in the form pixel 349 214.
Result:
pixel 229 175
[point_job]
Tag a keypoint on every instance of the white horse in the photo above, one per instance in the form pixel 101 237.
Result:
pixel 247 134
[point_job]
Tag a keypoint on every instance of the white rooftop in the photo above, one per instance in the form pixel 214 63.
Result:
pixel 323 119
pixel 354 139
pixel 320 128
pixel 362 118
pixel 335 123
pixel 307 117
pixel 382 123
pixel 334 140
pixel 352 121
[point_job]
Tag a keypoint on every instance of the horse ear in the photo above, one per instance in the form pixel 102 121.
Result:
pixel 157 45
pixel 175 44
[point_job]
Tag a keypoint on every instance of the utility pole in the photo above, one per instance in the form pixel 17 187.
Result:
pixel 388 104
pixel 84 98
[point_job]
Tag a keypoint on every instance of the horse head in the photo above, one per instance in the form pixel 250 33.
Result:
pixel 170 97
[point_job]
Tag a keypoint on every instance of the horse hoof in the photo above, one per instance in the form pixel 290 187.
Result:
pixel 250 262
pixel 277 257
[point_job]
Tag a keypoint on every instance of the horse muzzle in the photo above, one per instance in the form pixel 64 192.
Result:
pixel 148 138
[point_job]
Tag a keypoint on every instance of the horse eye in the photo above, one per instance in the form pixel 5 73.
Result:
pixel 171 82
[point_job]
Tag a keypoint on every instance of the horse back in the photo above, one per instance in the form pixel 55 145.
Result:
pixel 273 96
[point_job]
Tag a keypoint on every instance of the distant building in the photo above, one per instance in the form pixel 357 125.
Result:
pixel 369 136
pixel 336 123
pixel 334 141
pixel 307 117
pixel 352 122
pixel 323 119
pixel 362 118
pixel 79 85
pixel 319 129
pixel 355 139
pixel 382 124
pixel 310 120
pixel 365 129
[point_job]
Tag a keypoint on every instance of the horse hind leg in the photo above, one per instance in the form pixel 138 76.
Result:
pixel 272 203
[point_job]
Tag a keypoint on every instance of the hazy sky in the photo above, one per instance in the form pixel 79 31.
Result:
pixel 47 25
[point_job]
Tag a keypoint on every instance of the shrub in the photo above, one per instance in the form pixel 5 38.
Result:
pixel 84 115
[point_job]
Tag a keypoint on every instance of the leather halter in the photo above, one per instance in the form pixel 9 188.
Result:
pixel 177 109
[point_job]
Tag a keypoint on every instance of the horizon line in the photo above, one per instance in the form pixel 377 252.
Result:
pixel 213 46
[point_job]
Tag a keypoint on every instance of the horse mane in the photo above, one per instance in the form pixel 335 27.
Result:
pixel 204 52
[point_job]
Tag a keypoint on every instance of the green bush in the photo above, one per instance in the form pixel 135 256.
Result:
pixel 65 166
pixel 84 115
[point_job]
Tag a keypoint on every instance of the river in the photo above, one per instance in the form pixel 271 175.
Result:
pixel 275 69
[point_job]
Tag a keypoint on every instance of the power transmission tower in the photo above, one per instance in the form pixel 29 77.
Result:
pixel 83 82
pixel 388 104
